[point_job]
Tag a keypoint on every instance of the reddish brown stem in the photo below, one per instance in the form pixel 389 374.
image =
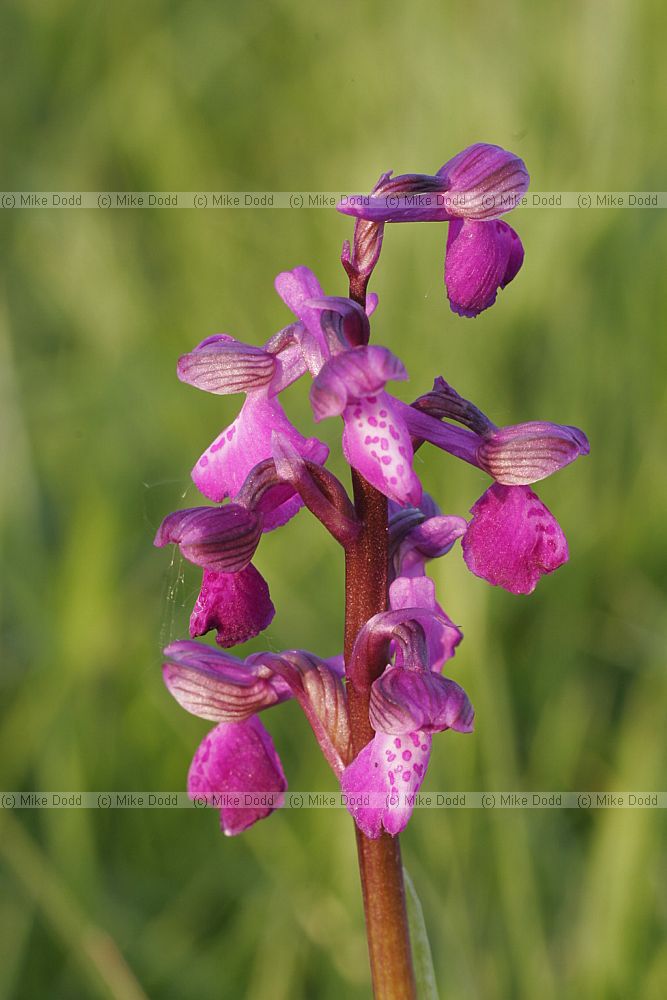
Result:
pixel 366 581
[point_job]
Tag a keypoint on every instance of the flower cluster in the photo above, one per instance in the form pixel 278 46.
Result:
pixel 261 470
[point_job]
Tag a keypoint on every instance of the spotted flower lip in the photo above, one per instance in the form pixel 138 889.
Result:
pixel 387 775
pixel 223 539
pixel 408 703
pixel 223 468
pixel 513 539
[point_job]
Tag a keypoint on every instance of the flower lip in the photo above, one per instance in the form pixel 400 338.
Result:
pixel 237 605
pixel 513 539
pixel 481 257
pixel 238 757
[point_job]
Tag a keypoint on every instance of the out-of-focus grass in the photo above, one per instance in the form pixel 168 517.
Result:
pixel 570 685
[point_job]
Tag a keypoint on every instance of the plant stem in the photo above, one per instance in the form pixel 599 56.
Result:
pixel 366 582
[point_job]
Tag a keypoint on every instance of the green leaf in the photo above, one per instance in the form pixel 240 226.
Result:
pixel 421 949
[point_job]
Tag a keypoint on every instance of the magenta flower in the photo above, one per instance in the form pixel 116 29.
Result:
pixel 238 756
pixel 513 539
pixel 470 191
pixel 408 704
pixel 234 597
pixel 349 381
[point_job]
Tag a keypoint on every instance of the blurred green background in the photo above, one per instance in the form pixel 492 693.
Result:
pixel 98 436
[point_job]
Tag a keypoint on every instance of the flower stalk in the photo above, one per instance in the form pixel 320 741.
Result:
pixel 380 865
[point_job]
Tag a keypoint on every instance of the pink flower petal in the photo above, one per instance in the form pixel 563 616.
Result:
pixel 488 181
pixel 222 469
pixel 513 539
pixel 382 780
pixel 481 257
pixel 238 757
pixel 237 605
pixel 442 636
pixel 377 443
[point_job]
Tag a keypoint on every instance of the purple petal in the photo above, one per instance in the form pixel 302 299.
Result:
pixel 405 700
pixel 377 443
pixel 223 365
pixel 223 539
pixel 290 352
pixel 224 466
pixel 481 258
pixel 238 757
pixel 444 401
pixel 216 686
pixel 297 288
pixel 405 198
pixel 442 635
pixel 513 539
pixel 457 441
pixel 343 321
pixel 431 539
pixel 382 780
pixel 265 493
pixel 352 376
pixel 525 453
pixel 484 181
pixel 238 605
